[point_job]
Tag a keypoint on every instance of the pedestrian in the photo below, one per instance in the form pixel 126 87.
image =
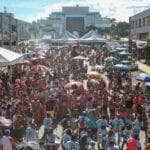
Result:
pixel 51 140
pixel 7 141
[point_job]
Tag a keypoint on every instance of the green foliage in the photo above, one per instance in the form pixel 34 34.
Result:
pixel 117 30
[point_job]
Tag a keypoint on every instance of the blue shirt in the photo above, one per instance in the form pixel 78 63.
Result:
pixel 47 122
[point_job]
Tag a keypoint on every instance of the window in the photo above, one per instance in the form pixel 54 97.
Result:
pixel 136 24
pixel 6 43
pixel 148 20
pixel 139 23
pixel 144 22
pixel 133 24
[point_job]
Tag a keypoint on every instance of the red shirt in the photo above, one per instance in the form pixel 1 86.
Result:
pixel 131 145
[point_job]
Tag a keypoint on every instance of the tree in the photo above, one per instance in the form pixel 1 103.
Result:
pixel 91 27
pixel 122 29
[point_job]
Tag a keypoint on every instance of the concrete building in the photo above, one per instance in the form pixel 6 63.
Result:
pixel 12 30
pixel 74 19
pixel 140 26
pixel 8 30
pixel 23 30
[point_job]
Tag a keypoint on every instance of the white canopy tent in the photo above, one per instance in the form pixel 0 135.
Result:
pixel 66 37
pixel 92 36
pixel 8 57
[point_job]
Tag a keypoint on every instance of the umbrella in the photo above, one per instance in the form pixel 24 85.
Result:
pixel 27 146
pixel 41 53
pixel 121 66
pixel 79 58
pixel 94 81
pixel 109 59
pixel 143 77
pixel 74 83
pixel 94 74
pixel 5 122
pixel 40 68
pixel 147 84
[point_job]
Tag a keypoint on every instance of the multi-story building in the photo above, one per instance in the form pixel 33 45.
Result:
pixel 12 30
pixel 8 30
pixel 74 19
pixel 140 25
pixel 23 30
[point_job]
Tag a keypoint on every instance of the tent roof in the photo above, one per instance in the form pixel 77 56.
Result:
pixel 92 36
pixel 67 36
pixel 8 56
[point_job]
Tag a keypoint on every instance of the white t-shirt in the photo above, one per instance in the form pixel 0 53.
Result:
pixel 72 145
pixel 6 142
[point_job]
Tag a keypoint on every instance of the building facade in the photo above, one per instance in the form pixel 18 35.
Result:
pixel 140 26
pixel 75 19
pixel 12 30
pixel 23 30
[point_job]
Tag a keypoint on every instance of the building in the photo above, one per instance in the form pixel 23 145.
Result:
pixel 12 30
pixel 74 19
pixel 23 30
pixel 140 26
pixel 8 30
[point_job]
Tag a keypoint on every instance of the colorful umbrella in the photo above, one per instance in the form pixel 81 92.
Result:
pixel 143 77
pixel 94 74
pixel 74 83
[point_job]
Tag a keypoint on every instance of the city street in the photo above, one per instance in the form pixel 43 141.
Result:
pixel 74 75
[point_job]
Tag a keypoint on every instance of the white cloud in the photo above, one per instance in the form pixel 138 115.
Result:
pixel 119 9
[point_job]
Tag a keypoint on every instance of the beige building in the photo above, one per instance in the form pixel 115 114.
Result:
pixel 140 26
pixel 73 19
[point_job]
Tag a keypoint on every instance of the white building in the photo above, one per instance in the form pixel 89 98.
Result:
pixel 74 18
pixel 140 25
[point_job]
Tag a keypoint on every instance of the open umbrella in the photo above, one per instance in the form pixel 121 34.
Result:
pixel 40 68
pixel 27 146
pixel 74 83
pixel 147 84
pixel 110 59
pixel 5 122
pixel 121 67
pixel 94 74
pixel 143 77
pixel 79 58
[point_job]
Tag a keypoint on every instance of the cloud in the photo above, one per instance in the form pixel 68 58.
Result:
pixel 119 9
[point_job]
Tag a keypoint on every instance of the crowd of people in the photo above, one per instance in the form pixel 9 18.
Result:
pixel 107 112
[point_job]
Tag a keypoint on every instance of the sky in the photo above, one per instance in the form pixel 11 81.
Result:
pixel 31 10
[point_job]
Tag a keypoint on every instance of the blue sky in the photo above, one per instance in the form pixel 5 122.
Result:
pixel 30 10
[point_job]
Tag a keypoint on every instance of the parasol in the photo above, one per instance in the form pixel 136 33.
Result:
pixel 147 84
pixel 40 68
pixel 41 53
pixel 110 59
pixel 5 122
pixel 94 74
pixel 74 83
pixel 143 77
pixel 28 146
pixel 121 67
pixel 79 58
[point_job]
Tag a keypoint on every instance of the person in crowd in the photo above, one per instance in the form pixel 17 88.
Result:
pixel 7 141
